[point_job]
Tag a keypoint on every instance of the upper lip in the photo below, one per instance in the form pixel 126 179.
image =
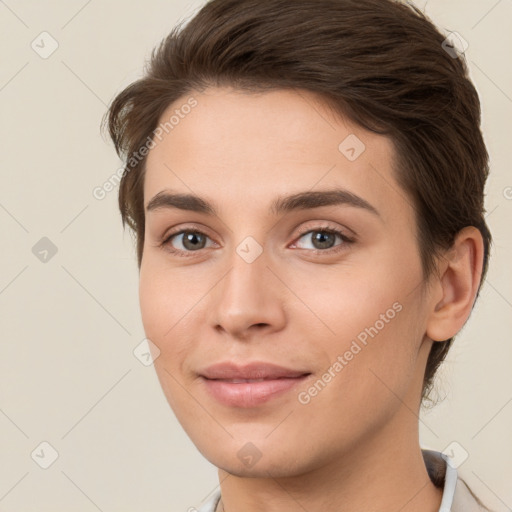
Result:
pixel 254 370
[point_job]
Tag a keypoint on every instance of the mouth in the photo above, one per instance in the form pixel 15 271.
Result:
pixel 239 381
pixel 250 385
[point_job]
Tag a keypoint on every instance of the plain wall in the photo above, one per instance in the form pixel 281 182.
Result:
pixel 69 325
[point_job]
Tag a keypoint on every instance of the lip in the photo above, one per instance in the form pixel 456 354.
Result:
pixel 253 370
pixel 225 382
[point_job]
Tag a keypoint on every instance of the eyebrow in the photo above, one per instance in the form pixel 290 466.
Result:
pixel 283 204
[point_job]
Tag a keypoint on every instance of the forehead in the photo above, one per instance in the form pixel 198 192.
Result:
pixel 235 144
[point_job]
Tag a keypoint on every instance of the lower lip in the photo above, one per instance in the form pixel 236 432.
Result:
pixel 250 394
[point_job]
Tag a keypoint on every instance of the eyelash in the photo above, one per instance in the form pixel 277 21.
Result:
pixel 166 243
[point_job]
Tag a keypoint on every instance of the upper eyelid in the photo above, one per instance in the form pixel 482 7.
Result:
pixel 323 225
pixel 185 229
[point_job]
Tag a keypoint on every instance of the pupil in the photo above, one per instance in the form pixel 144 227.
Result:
pixel 191 238
pixel 320 238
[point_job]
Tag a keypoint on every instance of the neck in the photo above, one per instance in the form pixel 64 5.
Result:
pixel 386 473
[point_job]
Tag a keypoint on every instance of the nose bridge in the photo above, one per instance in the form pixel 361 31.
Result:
pixel 247 279
pixel 246 295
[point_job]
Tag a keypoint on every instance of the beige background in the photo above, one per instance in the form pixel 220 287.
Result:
pixel 68 374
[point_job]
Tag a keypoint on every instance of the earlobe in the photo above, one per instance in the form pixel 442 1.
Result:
pixel 458 284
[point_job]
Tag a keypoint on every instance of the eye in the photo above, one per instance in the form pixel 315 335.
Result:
pixel 189 240
pixel 323 239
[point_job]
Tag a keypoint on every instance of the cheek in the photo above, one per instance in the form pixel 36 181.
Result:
pixel 351 304
pixel 367 380
pixel 163 298
pixel 375 333
pixel 151 300
pixel 161 313
pixel 171 314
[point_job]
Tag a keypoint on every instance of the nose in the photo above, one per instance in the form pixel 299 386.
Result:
pixel 249 299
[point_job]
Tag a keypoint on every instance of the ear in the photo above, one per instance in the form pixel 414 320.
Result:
pixel 456 285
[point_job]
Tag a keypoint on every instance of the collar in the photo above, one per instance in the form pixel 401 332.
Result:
pixel 443 475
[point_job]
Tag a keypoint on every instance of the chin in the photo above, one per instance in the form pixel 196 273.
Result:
pixel 260 458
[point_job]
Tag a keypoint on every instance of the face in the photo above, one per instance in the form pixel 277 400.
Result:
pixel 328 287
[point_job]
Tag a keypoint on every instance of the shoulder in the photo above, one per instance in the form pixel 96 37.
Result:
pixel 457 496
pixel 464 500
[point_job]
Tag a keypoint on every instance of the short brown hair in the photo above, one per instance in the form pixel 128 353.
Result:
pixel 378 62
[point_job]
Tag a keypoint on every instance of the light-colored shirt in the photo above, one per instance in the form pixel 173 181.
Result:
pixel 456 495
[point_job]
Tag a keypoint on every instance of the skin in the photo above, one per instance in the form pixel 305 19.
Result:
pixel 356 442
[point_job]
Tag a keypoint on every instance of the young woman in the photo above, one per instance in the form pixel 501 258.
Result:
pixel 305 179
